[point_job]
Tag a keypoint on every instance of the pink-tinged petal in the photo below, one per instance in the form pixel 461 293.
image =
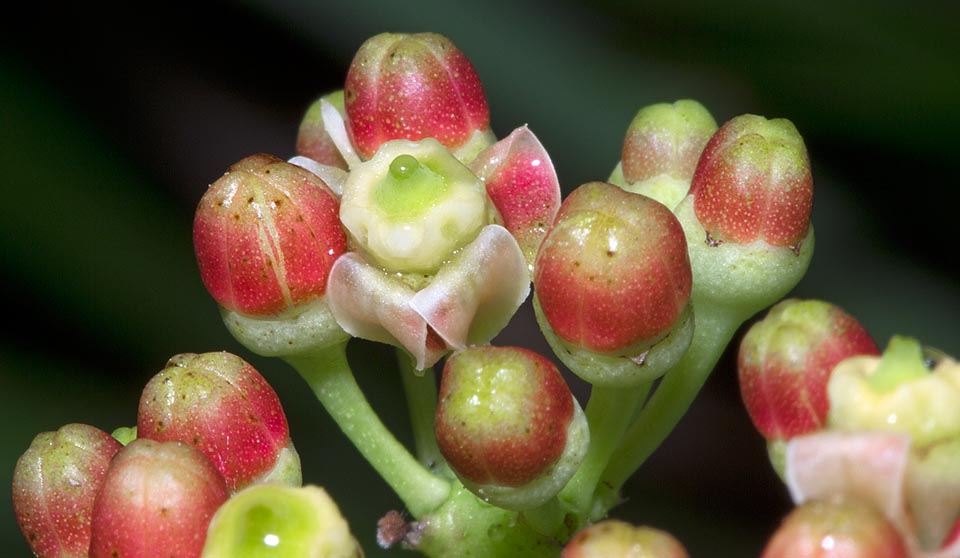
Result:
pixel 473 297
pixel 868 465
pixel 523 185
pixel 374 305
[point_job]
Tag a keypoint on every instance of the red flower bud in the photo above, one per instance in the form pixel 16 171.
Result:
pixel 313 141
pixel 508 425
pixel 220 404
pixel 403 86
pixel 753 182
pixel 612 275
pixel 156 502
pixel 266 235
pixel 55 483
pixel 785 362
pixel 613 538
pixel 835 529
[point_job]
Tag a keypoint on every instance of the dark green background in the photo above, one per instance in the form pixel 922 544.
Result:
pixel 113 122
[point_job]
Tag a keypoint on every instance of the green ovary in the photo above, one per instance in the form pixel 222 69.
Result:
pixel 413 206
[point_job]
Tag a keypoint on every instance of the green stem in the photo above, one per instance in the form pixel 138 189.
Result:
pixel 420 388
pixel 609 412
pixel 677 390
pixel 546 519
pixel 328 373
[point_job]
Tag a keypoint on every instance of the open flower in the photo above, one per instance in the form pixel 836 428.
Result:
pixel 443 224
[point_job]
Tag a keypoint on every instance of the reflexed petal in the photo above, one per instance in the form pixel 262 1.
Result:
pixel 523 184
pixel 473 297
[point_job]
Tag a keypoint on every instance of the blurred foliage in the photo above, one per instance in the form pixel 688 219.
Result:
pixel 113 123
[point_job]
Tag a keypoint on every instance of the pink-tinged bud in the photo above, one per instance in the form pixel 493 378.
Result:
pixel 661 150
pixel 313 141
pixel 55 483
pixel 836 529
pixel 508 425
pixel 220 404
pixel 266 235
pixel 613 538
pixel 414 86
pixel 156 502
pixel 785 362
pixel 612 275
pixel 753 182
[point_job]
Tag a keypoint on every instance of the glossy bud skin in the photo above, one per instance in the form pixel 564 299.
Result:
pixel 612 275
pixel 55 483
pixel 220 404
pixel 835 529
pixel 508 425
pixel 413 86
pixel 156 502
pixel 613 538
pixel 313 141
pixel 272 521
pixel 265 236
pixel 785 361
pixel 661 149
pixel 753 182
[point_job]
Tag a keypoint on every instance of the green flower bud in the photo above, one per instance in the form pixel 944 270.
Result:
pixel 273 521
pixel 509 426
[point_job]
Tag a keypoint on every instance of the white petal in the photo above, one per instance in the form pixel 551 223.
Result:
pixel 337 130
pixel 371 304
pixel 333 177
pixel 472 298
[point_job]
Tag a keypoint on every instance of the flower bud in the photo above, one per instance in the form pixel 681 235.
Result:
pixel 266 235
pixel 841 528
pixel 55 483
pixel 313 141
pixel 220 404
pixel 415 86
pixel 613 538
pixel 612 276
pixel 413 205
pixel 661 150
pixel 898 393
pixel 509 426
pixel 156 501
pixel 786 359
pixel 280 522
pixel 753 182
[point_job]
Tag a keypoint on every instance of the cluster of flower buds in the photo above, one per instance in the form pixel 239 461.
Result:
pixel 209 426
pixel 849 425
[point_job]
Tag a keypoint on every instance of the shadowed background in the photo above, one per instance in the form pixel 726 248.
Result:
pixel 112 123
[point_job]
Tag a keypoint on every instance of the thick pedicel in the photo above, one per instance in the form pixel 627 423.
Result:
pixel 220 404
pixel 509 426
pixel 55 483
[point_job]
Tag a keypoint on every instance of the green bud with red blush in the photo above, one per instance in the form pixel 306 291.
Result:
pixel 220 404
pixel 156 501
pixel 613 538
pixel 415 86
pixel 612 282
pixel 661 149
pixel 785 361
pixel 509 426
pixel 266 235
pixel 838 528
pixel 55 483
